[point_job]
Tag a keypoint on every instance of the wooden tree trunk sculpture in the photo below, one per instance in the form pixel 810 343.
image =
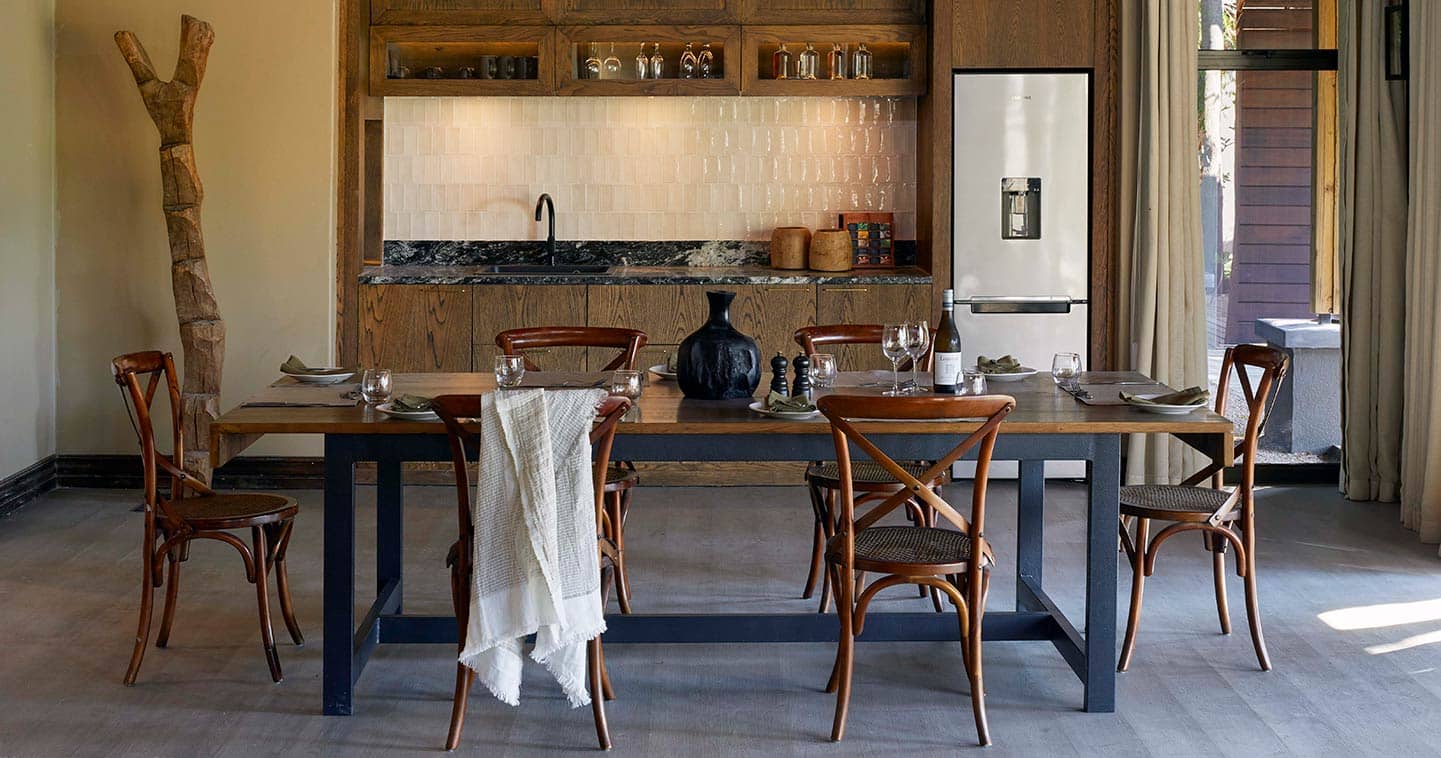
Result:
pixel 202 333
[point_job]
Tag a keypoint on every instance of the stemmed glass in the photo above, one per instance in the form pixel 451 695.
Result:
pixel 509 371
pixel 918 338
pixel 1064 369
pixel 592 63
pixel 823 370
pixel 612 64
pixel 893 344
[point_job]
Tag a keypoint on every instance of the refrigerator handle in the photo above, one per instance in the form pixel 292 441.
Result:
pixel 985 304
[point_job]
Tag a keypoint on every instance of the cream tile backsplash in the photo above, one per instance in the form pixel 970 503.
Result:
pixel 644 168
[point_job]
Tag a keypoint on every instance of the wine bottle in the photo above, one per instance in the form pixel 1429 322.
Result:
pixel 948 361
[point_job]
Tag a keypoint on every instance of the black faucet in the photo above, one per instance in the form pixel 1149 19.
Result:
pixel 541 204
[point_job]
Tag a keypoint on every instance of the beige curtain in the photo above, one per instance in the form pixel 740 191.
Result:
pixel 1372 237
pixel 1162 303
pixel 1421 442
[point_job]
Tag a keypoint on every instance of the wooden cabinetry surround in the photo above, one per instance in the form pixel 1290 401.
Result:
pixel 870 304
pixel 415 327
pixel 461 11
pixel 501 307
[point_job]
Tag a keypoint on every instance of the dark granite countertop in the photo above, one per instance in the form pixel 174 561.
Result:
pixel 746 274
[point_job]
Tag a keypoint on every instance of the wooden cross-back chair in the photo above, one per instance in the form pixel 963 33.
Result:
pixel 822 477
pixel 955 563
pixel 622 477
pixel 192 511
pixel 461 415
pixel 1223 518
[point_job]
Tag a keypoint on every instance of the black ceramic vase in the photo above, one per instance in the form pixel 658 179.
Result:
pixel 717 362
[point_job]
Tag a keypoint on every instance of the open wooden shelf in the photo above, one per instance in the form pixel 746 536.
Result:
pixel 898 68
pixel 572 44
pixel 453 48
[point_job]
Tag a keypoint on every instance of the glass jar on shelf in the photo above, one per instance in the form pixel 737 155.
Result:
pixel 810 63
pixel 781 63
pixel 688 63
pixel 705 62
pixel 837 61
pixel 861 64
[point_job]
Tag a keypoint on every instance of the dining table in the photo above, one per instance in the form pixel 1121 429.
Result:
pixel 1048 424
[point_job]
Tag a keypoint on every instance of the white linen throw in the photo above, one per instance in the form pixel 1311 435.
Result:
pixel 536 566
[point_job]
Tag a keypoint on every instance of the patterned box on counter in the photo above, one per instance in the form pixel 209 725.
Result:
pixel 872 238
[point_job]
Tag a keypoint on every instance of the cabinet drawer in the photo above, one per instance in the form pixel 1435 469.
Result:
pixel 412 327
pixel 511 306
pixel 870 304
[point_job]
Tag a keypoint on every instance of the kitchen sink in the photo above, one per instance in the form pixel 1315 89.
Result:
pixel 540 268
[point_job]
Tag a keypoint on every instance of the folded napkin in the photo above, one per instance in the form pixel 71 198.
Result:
pixel 798 404
pixel 1188 396
pixel 671 361
pixel 411 404
pixel 536 566
pixel 1002 365
pixel 296 366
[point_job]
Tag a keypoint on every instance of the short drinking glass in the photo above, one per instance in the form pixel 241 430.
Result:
pixel 1065 367
pixel 626 383
pixel 509 370
pixel 823 370
pixel 973 382
pixel 375 386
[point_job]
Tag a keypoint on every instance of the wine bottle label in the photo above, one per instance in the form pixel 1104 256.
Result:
pixel 948 369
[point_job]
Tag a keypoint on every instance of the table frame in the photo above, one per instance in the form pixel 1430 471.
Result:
pixel 1091 654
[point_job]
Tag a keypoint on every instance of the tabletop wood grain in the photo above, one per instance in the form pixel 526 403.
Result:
pixel 1041 408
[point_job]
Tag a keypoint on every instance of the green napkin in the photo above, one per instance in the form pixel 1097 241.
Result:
pixel 798 404
pixel 1002 365
pixel 411 404
pixel 296 366
pixel 1188 396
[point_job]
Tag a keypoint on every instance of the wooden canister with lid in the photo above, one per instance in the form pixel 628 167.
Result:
pixel 831 250
pixel 788 247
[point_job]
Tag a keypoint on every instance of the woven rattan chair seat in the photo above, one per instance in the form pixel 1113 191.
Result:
pixel 201 510
pixel 1171 500
pixel 862 472
pixel 915 545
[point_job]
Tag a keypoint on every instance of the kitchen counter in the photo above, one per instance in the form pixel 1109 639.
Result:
pixel 742 274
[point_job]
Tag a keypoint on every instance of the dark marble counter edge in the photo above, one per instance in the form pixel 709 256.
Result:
pixel 642 275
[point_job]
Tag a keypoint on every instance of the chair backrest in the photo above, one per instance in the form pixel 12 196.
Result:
pixel 1259 396
pixel 154 367
pixel 818 339
pixel 843 412
pixel 461 414
pixel 627 341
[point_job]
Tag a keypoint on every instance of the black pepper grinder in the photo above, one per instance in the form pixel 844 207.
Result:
pixel 778 371
pixel 801 387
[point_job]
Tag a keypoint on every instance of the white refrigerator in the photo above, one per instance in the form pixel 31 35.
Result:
pixel 1021 229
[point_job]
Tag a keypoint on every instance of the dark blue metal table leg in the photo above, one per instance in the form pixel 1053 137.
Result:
pixel 389 531
pixel 338 627
pixel 1030 516
pixel 1103 514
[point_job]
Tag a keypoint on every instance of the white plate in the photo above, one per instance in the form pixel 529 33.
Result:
pixel 759 406
pixel 389 410
pixel 660 370
pixel 320 378
pixel 1165 410
pixel 1014 376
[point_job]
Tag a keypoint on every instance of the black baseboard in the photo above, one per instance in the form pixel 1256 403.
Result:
pixel 27 484
pixel 257 473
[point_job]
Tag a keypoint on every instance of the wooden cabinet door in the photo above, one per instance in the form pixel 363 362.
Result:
pixel 771 314
pixel 833 11
pixel 870 304
pixel 510 306
pixel 415 328
pixel 461 11
pixel 647 11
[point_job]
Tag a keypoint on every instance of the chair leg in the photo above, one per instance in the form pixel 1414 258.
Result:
pixel 147 601
pixel 828 581
pixel 1138 580
pixel 1217 547
pixel 172 595
pixel 464 677
pixel 813 576
pixel 605 688
pixel 597 701
pixel 845 658
pixel 973 643
pixel 622 581
pixel 833 574
pixel 1253 610
pixel 262 596
pixel 282 585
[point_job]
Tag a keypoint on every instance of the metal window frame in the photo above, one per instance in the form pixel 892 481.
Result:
pixel 1266 60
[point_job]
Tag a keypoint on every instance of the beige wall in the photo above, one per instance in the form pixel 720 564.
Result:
pixel 27 235
pixel 264 144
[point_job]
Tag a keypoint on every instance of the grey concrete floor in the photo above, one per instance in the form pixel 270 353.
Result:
pixel 1352 606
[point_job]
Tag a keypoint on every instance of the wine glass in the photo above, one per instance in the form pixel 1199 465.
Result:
pixel 893 346
pixel 375 386
pixel 823 370
pixel 642 64
pixel 592 63
pixel 1064 369
pixel 611 64
pixel 918 338
pixel 509 371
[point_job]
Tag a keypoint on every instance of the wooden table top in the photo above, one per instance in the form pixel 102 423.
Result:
pixel 1041 408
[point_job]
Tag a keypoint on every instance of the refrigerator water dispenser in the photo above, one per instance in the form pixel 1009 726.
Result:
pixel 1021 208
